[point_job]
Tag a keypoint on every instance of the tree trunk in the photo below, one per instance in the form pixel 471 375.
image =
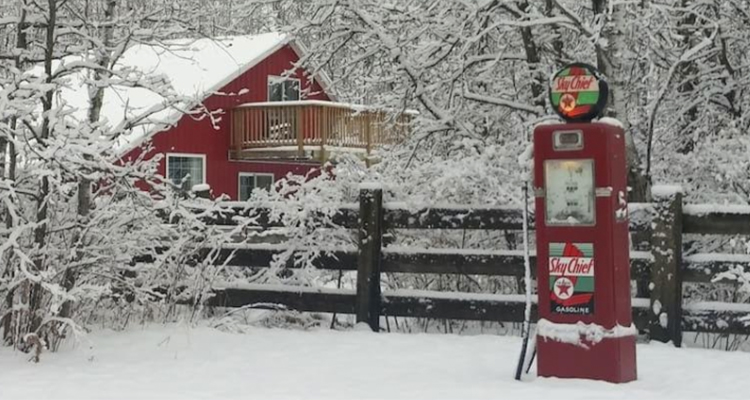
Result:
pixel 557 43
pixel 35 290
pixel 9 171
pixel 685 28
pixel 532 60
pixel 84 201
pixel 611 64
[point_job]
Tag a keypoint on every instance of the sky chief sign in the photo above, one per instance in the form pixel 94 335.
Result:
pixel 578 93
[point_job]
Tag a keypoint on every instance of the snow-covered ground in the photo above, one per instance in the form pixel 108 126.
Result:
pixel 177 362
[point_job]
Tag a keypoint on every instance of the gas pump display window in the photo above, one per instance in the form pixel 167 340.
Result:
pixel 569 194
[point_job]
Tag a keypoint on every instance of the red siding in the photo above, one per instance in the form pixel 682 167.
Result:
pixel 190 136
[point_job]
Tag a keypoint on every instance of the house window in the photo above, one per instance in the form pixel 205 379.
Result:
pixel 249 182
pixel 186 170
pixel 283 89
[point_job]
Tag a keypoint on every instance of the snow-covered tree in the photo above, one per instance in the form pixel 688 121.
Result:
pixel 75 214
pixel 476 70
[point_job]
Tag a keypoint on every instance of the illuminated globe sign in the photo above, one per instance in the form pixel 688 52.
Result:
pixel 578 93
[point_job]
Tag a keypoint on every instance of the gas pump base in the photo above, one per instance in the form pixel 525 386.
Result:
pixel 611 360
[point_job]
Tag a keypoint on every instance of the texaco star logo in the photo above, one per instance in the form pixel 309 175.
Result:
pixel 567 102
pixel 563 288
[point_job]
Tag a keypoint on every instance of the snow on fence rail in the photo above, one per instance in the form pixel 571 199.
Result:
pixel 403 216
pixel 663 268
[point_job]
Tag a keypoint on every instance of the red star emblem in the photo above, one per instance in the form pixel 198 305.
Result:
pixel 567 102
pixel 564 287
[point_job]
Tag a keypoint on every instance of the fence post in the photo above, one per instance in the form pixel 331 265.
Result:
pixel 666 276
pixel 368 263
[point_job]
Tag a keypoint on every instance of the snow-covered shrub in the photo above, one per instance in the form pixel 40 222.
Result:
pixel 75 219
pixel 471 174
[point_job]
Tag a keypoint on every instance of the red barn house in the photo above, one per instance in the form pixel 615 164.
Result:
pixel 270 122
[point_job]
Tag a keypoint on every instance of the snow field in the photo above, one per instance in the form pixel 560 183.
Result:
pixel 178 362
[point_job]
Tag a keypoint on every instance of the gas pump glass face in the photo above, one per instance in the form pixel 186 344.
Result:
pixel 569 192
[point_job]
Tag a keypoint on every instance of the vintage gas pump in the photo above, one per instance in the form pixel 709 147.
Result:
pixel 585 323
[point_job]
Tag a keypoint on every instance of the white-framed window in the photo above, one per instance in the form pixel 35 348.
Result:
pixel 283 89
pixel 186 169
pixel 247 182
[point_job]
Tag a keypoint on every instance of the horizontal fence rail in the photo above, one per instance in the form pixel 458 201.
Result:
pixel 401 216
pixel 472 307
pixel 665 221
pixel 716 219
pixel 700 268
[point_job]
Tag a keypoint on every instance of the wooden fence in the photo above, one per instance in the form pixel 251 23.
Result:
pixel 660 272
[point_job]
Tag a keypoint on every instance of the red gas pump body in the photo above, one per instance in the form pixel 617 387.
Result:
pixel 597 251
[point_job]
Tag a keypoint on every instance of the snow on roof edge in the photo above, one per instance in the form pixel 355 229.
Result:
pixel 174 119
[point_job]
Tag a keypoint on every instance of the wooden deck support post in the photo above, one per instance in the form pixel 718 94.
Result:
pixel 368 267
pixel 368 140
pixel 666 275
pixel 323 132
pixel 297 121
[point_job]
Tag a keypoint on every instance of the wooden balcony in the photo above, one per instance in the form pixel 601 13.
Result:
pixel 311 130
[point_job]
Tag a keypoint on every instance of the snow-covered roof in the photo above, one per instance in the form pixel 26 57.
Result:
pixel 193 68
pixel 196 66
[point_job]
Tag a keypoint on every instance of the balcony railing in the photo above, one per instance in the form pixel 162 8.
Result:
pixel 311 129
